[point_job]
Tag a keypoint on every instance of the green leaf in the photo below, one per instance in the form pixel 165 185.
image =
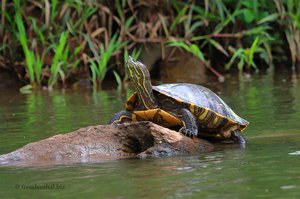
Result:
pixel 38 31
pixel 241 64
pixel 94 69
pixel 198 38
pixel 180 44
pixel 29 55
pixel 254 45
pixel 128 23
pixel 248 15
pixel 269 18
pixel 178 18
pixel 290 5
pixel 193 48
pixel 59 59
pixel 195 25
pixel 221 8
pixel 123 3
pixel 118 79
pixel 197 52
pixel 118 7
pixel 218 46
pixel 257 30
pixel 237 54
pixel 53 9
pixel 91 45
pixel 61 73
pixel 164 25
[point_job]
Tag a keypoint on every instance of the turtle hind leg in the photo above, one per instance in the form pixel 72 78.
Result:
pixel 190 126
pixel 237 137
pixel 121 117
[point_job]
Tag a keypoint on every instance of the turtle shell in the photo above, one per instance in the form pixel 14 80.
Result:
pixel 201 97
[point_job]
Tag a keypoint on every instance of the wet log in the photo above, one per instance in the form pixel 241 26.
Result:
pixel 106 142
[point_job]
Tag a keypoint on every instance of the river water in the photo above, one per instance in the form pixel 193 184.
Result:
pixel 269 166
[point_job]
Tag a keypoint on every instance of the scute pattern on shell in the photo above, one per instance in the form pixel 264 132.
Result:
pixel 199 96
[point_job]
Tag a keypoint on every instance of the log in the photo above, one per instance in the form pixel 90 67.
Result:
pixel 106 142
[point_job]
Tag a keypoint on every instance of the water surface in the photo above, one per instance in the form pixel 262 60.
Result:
pixel 267 168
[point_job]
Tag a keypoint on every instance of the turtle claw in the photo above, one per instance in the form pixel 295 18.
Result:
pixel 189 132
pixel 116 124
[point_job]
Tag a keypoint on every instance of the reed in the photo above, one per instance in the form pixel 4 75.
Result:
pixel 59 60
pixel 289 15
pixel 99 63
pixel 29 55
pixel 61 40
pixel 245 56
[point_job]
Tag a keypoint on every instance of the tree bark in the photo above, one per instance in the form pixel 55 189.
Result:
pixel 106 142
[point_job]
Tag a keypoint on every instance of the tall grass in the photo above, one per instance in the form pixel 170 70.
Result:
pixel 62 40
pixel 34 62
pixel 99 64
pixel 289 14
pixel 245 56
pixel 29 55
pixel 59 60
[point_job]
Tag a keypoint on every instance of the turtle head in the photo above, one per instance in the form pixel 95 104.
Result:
pixel 139 75
pixel 137 71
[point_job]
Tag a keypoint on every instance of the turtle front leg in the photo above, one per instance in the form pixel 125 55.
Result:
pixel 237 137
pixel 121 117
pixel 189 123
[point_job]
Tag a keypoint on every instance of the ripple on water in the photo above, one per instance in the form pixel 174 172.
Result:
pixel 295 153
pixel 266 168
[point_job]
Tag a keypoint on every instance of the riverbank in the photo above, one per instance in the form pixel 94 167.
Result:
pixel 57 44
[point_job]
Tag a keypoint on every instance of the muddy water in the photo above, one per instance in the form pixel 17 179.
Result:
pixel 267 168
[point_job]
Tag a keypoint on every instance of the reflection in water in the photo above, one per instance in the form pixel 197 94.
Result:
pixel 42 114
pixel 266 168
pixel 270 104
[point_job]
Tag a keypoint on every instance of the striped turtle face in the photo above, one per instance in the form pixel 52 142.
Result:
pixel 140 78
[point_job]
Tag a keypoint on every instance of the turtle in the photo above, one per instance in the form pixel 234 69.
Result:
pixel 192 108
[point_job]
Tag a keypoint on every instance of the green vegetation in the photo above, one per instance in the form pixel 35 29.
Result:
pixel 55 43
pixel 99 64
pixel 245 56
